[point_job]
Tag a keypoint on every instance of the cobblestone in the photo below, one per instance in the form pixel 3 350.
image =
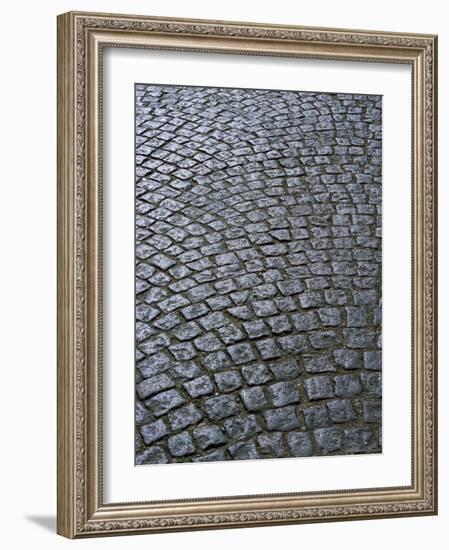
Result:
pixel 300 443
pixel 258 274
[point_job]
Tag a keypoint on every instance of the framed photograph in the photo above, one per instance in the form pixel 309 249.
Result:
pixel 246 274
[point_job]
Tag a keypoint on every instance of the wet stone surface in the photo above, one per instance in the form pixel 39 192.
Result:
pixel 258 274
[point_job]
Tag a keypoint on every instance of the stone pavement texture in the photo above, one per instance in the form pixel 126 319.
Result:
pixel 258 274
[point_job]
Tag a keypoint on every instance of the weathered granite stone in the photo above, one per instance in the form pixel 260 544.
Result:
pixel 294 343
pixel 347 358
pixel 271 444
pixel 256 329
pixel 164 402
pixel 315 364
pixel 329 439
pixel 372 411
pixel 347 385
pixel 207 436
pixel 208 342
pixel 220 407
pixel 285 370
pixel 316 416
pixel 155 364
pixel 199 386
pixel 181 444
pixel 154 385
pixel 358 439
pixel 300 443
pixel 228 381
pixel 185 416
pixel 256 374
pixel 268 348
pixel 341 410
pixel 372 360
pixel 330 316
pixel 324 339
pixel 244 450
pixel 283 393
pixel 154 431
pixel 152 455
pixel 372 383
pixel 241 353
pixel 242 427
pixel 186 331
pixel 215 362
pixel 283 419
pixel 213 456
pixel 319 387
pixel 254 398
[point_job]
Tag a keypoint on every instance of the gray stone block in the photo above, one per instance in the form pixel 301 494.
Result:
pixel 285 370
pixel 208 343
pixel 283 419
pixel 256 329
pixel 216 362
pixel 341 410
pixel 372 411
pixel 359 338
pixel 329 439
pixel 242 427
pixel 268 349
pixel 185 416
pixel 152 455
pixel 254 398
pixel 241 353
pixel 359 440
pixel 199 386
pixel 372 383
pixel 186 331
pixel 244 451
pixel 194 311
pixel 258 272
pixel 220 407
pixel 305 322
pixel 356 317
pixel 154 385
pixel 279 324
pixel 207 436
pixel 271 444
pixel 347 385
pixel 319 387
pixel 183 351
pixel 164 402
pixel 256 374
pixel 294 343
pixel 283 393
pixel 330 316
pixel 157 363
pixel 316 416
pixel 228 381
pixel 347 358
pixel 372 360
pixel 181 444
pixel 314 364
pixel 300 443
pixel 213 456
pixel 154 431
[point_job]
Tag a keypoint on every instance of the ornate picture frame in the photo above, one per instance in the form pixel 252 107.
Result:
pixel 82 511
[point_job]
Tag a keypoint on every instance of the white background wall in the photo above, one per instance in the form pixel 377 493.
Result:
pixel 28 271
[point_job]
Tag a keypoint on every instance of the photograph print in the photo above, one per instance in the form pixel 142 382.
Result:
pixel 258 274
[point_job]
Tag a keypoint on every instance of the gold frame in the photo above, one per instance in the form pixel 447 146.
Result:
pixel 81 37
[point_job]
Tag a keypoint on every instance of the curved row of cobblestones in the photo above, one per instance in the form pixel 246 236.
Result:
pixel 258 274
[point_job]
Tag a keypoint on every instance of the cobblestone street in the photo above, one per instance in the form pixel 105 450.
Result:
pixel 258 274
